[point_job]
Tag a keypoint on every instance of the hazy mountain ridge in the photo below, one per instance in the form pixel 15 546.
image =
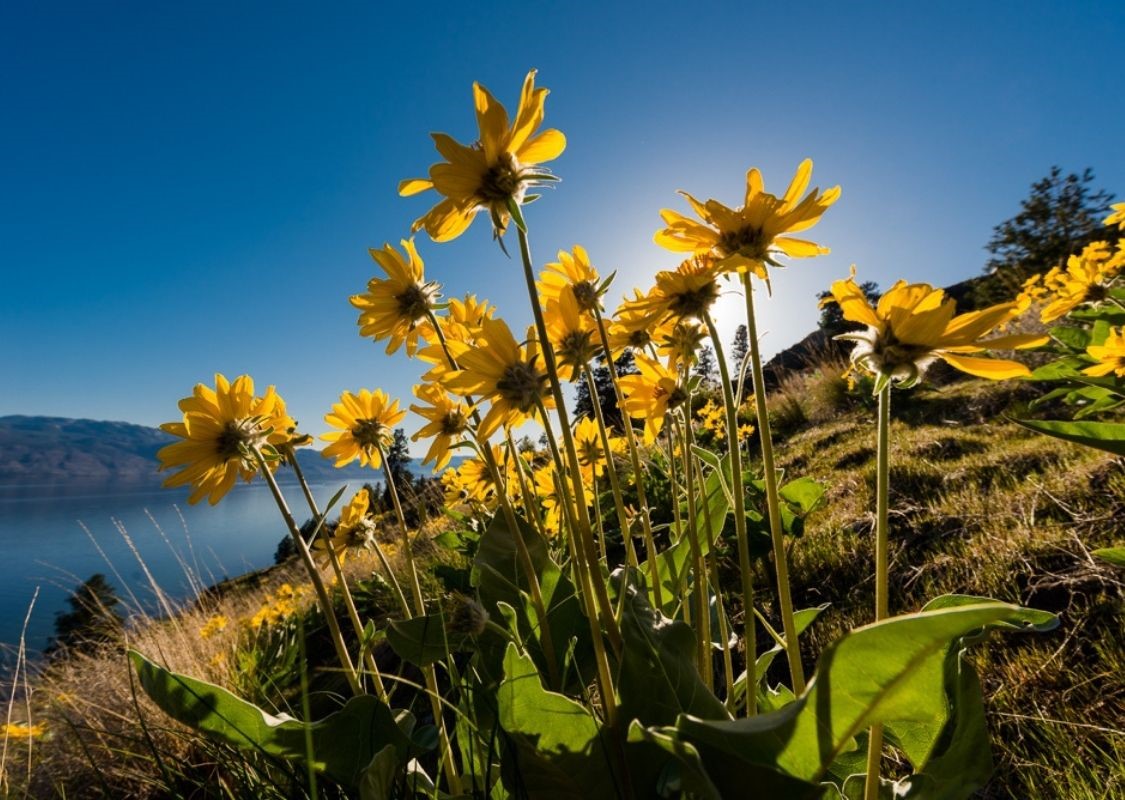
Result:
pixel 37 450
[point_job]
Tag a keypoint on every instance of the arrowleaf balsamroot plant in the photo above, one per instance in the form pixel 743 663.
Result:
pixel 599 653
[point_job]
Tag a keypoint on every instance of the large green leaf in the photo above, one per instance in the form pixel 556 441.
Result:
pixel 658 678
pixel 1111 555
pixel 500 579
pixel 1108 436
pixel 344 744
pixel 674 563
pixel 555 749
pixel 424 640
pixel 890 672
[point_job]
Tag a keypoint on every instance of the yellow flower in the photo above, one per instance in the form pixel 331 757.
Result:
pixel 1117 217
pixel 574 271
pixel 220 428
pixel 448 421
pixel 354 529
pixel 214 626
pixel 913 324
pixel 650 394
pixel 366 424
pixel 22 730
pixel 749 237
pixel 471 483
pixel 637 324
pixel 745 431
pixel 681 343
pixel 547 491
pixel 591 452
pixel 1085 280
pixel 495 170
pixel 461 327
pixel 687 291
pixel 1110 355
pixel 572 332
pixel 713 420
pixel 508 374
pixel 392 308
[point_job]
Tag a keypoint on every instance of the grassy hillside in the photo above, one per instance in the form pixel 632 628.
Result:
pixel 981 506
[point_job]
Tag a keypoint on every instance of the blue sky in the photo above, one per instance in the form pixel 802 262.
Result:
pixel 191 188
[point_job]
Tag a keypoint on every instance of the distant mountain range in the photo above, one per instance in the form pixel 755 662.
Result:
pixel 53 450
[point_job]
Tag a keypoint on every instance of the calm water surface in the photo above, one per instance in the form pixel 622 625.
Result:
pixel 43 544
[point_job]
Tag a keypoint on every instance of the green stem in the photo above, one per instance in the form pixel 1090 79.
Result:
pixel 450 767
pixel 585 532
pixel 611 467
pixel 882 602
pixel 314 576
pixel 773 504
pixel 702 617
pixel 635 456
pixel 734 456
pixel 349 601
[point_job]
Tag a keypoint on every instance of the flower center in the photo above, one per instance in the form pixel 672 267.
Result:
pixel 234 435
pixel 453 423
pixel 586 294
pixel 521 385
pixel 748 241
pixel 502 181
pixel 369 434
pixel 694 302
pixel 414 302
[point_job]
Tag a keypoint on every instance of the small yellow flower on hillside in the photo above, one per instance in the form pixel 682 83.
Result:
pixel 394 307
pixel 213 627
pixel 1110 355
pixel 546 490
pixel 591 451
pixel 746 431
pixel 366 424
pixel 354 529
pixel 496 170
pixel 220 429
pixel 1117 217
pixel 914 324
pixel 680 344
pixel 650 394
pixel 511 376
pixel 21 730
pixel 573 333
pixel 751 236
pixel 1087 279
pixel 448 420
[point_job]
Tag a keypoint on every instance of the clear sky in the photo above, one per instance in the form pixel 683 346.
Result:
pixel 192 187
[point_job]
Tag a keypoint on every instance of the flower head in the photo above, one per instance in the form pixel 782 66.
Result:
pixel 1110 355
pixel 221 429
pixel 913 324
pixel 749 237
pixel 650 394
pixel 213 626
pixel 1117 217
pixel 448 420
pixel 22 730
pixel 392 308
pixel 572 333
pixel 511 376
pixel 494 171
pixel 354 529
pixel 572 270
pixel 1086 279
pixel 592 456
pixel 365 424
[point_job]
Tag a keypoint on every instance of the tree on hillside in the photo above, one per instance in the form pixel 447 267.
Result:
pixel 604 386
pixel 93 617
pixel 832 320
pixel 1060 216
pixel 739 348
pixel 706 367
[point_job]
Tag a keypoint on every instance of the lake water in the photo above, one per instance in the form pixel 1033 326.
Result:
pixel 43 544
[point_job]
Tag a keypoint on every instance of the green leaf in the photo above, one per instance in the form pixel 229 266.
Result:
pixel 500 579
pixel 691 777
pixel 658 678
pixel 378 778
pixel 1111 555
pixel 1107 436
pixel 344 743
pixel 1072 337
pixel 424 641
pixel 557 750
pixel 890 672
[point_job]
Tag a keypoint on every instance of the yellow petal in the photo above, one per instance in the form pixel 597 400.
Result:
pixel 547 146
pixel 996 369
pixel 412 186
